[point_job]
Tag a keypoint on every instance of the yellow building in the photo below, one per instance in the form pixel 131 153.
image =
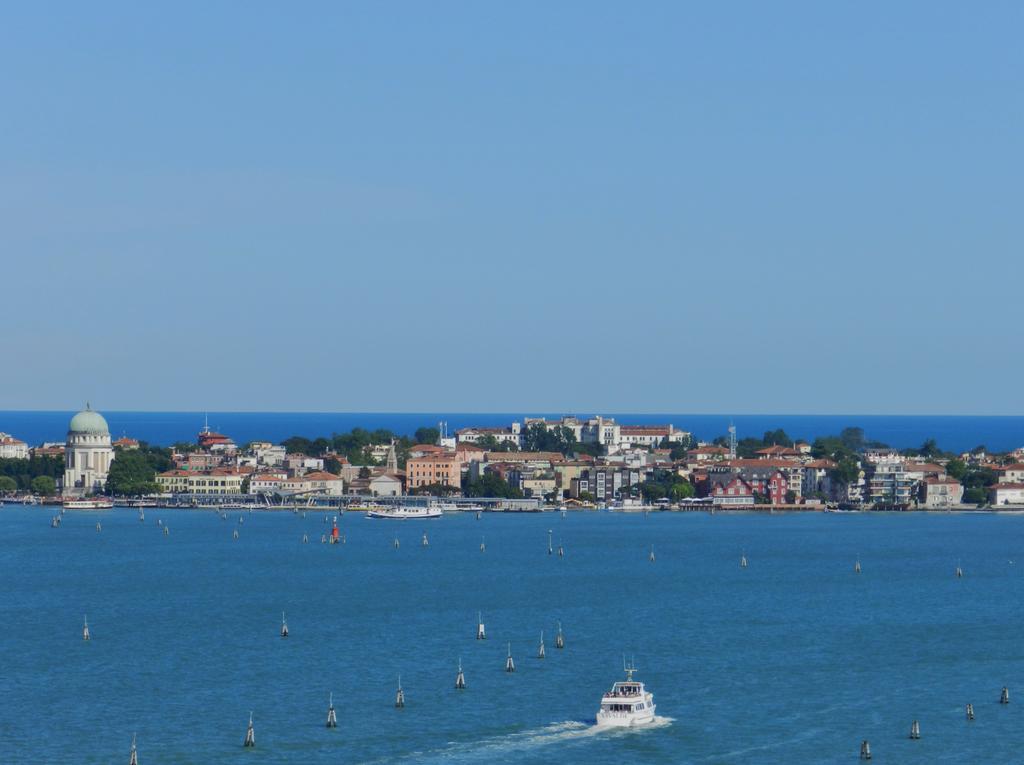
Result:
pixel 217 481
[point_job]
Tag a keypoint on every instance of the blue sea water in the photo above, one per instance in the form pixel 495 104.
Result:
pixel 956 433
pixel 794 659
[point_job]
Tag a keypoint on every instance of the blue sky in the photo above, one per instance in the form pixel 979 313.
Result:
pixel 481 206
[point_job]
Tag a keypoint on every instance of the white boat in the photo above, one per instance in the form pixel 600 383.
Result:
pixel 628 704
pixel 406 512
pixel 88 504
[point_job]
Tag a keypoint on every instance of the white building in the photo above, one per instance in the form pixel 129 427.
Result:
pixel 386 485
pixel 512 435
pixel 268 454
pixel 650 436
pixel 314 482
pixel 12 448
pixel 87 454
pixel 1006 494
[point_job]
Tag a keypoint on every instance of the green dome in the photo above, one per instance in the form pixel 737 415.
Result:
pixel 90 422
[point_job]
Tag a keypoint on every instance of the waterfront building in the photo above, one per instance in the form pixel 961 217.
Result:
pixel 731 491
pixel 887 479
pixel 757 472
pixel 940 493
pixel 603 482
pixel 567 471
pixel 537 485
pixel 314 482
pixel 216 481
pixel 817 478
pixel 88 454
pixel 266 483
pixel 385 485
pixel 173 481
pixel 444 469
pixel 770 478
pixel 12 448
pixel 1006 494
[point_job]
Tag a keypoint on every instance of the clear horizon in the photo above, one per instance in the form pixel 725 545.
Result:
pixel 580 206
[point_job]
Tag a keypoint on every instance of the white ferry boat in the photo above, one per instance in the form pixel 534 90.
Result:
pixel 628 704
pixel 407 512
pixel 88 504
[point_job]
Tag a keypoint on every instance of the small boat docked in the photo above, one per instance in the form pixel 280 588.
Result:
pixel 406 512
pixel 628 704
pixel 88 504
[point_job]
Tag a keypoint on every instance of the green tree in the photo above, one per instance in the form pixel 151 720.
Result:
pixel 436 490
pixel 427 435
pixel 44 484
pixel 491 485
pixel 678 447
pixel 131 474
pixel 652 491
pixel 7 484
pixel 678 451
pixel 846 471
pixel 777 438
pixel 852 438
pixel 540 438
pixel 978 478
pixel 24 470
pixel 682 490
pixel 298 445
pixel 956 468
pixel 976 496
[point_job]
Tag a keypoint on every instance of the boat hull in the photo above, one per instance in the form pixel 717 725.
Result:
pixel 88 505
pixel 625 719
pixel 400 516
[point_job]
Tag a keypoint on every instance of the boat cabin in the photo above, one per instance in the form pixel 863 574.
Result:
pixel 625 689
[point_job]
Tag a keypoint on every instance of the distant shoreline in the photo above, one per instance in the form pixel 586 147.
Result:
pixel 957 433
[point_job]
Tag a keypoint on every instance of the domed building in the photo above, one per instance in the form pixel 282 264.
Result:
pixel 87 454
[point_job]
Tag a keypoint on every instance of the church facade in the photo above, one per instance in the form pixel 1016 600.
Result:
pixel 87 454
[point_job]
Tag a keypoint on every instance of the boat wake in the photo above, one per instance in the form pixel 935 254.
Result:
pixel 567 732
